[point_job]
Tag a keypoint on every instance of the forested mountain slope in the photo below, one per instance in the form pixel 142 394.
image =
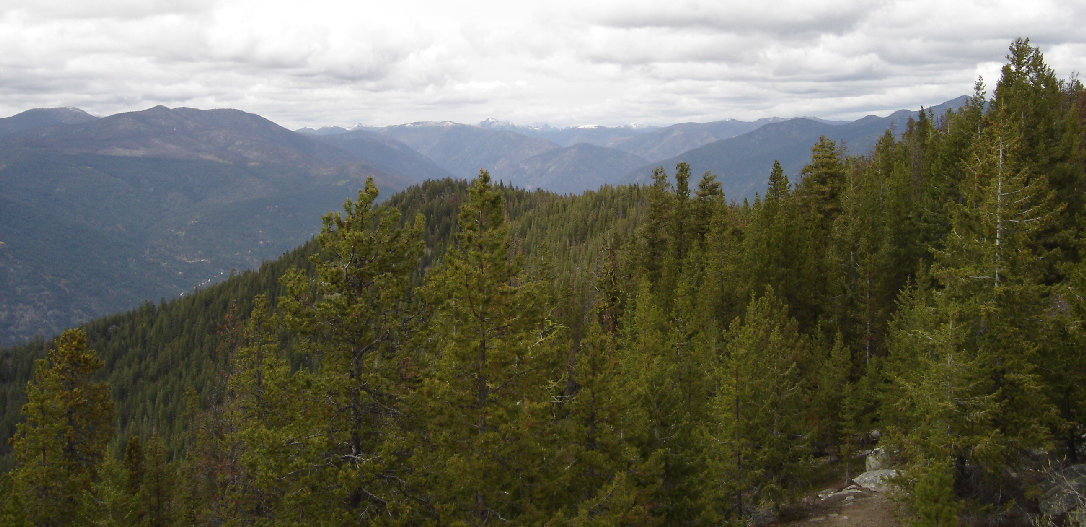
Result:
pixel 152 204
pixel 650 355
pixel 164 349
pixel 463 150
pixel 741 160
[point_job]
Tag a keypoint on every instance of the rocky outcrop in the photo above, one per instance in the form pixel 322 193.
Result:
pixel 877 480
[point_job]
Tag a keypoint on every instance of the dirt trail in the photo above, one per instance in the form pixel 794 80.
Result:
pixel 852 507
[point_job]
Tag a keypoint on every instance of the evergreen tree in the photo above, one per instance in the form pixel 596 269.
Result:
pixel 823 180
pixel 1030 99
pixel 350 320
pixel 757 443
pixel 609 481
pixel 682 226
pixel 1064 367
pixel 777 247
pixel 965 354
pixel 655 236
pixel 485 402
pixel 69 421
pixel 707 205
pixel 265 437
pixel 151 486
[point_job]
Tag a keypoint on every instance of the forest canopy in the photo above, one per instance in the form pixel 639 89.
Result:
pixel 469 353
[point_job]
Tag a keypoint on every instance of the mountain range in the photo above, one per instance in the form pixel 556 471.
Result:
pixel 100 214
pixel 742 163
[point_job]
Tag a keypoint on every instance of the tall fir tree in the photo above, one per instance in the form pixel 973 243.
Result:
pixel 609 482
pixel 1032 100
pixel 965 353
pixel 757 445
pixel 62 443
pixel 351 319
pixel 486 397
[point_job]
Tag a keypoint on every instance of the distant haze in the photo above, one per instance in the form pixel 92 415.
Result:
pixel 562 62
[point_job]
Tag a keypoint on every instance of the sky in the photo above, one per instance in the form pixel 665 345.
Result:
pixel 560 62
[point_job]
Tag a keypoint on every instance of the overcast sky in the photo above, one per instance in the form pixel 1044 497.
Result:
pixel 563 62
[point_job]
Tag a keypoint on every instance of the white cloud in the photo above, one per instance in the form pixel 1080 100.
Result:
pixel 564 61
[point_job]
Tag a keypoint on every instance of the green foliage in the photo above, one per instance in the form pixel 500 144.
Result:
pixel 62 442
pixel 966 353
pixel 757 456
pixel 634 355
pixel 933 497
pixel 484 401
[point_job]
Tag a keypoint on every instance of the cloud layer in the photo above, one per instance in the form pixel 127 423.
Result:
pixel 562 62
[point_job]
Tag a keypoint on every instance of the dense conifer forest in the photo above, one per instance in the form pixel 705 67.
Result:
pixel 465 353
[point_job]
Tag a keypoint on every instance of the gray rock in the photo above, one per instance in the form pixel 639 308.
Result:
pixel 877 480
pixel 876 460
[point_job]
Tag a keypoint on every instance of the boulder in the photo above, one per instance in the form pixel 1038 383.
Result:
pixel 877 480
pixel 876 459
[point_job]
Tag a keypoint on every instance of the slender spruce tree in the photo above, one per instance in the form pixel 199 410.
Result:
pixel 58 449
pixel 965 352
pixel 486 397
pixel 351 319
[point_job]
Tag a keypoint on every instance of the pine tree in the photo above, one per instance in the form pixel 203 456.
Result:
pixel 609 481
pixel 665 371
pixel 708 204
pixel 823 180
pixel 1064 367
pixel 151 486
pixel 776 247
pixel 267 434
pixel 350 320
pixel 69 421
pixel 757 444
pixel 655 235
pixel 485 401
pixel 1030 99
pixel 965 353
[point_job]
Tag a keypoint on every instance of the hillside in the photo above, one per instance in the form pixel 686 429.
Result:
pixel 743 162
pixel 673 140
pixel 162 349
pixel 572 169
pixel 463 150
pixel 42 117
pixel 101 215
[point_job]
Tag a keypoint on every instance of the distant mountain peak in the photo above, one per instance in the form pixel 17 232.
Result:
pixel 326 130
pixel 36 118
pixel 496 124
pixel 431 124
